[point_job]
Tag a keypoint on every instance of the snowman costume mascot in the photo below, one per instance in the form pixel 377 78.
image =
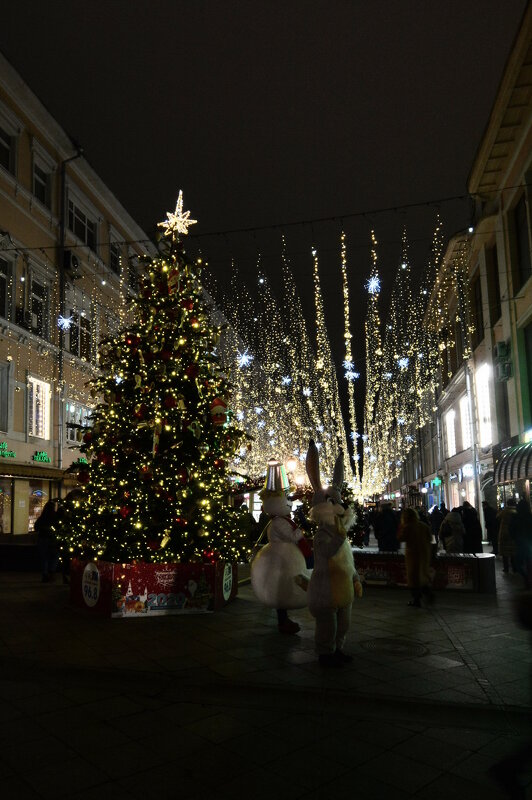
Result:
pixel 279 562
pixel 334 581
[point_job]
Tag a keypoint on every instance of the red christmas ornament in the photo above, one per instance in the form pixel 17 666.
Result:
pixel 166 355
pixel 219 463
pixel 87 437
pixel 84 477
pixel 218 411
pixel 187 303
pixel 153 544
pixel 169 401
pixel 125 511
pixel 210 556
pixel 181 522
pixel 140 411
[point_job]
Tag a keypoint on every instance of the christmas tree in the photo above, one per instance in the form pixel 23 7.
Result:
pixel 156 483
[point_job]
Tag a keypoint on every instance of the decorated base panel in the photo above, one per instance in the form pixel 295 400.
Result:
pixel 459 571
pixel 150 590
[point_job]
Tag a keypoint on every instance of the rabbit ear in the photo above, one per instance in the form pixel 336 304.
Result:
pixel 338 474
pixel 312 465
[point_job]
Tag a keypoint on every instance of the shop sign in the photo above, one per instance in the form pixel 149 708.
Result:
pixel 5 453
pixel 42 456
pixel 468 470
pixel 82 460
pixel 436 481
pixel 460 475
pixel 453 476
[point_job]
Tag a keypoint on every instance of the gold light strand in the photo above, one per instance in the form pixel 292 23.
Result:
pixel 350 368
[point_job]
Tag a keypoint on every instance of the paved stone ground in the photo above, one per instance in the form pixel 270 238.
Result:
pixel 219 706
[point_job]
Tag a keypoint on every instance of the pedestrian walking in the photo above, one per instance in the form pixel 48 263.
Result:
pixel 473 529
pixel 417 537
pixel 47 541
pixel 452 532
pixel 385 527
pixel 507 542
pixel 520 529
pixel 436 518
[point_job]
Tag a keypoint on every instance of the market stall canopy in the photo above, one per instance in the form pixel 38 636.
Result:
pixel 514 465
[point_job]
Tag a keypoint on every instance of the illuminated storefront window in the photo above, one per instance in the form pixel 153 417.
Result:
pixel 465 422
pixel 451 436
pixel 38 408
pixel 483 405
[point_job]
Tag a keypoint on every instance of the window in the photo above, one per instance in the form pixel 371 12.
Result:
pixel 38 408
pixel 43 168
pixel 115 255
pixel 449 429
pixel 483 405
pixel 4 386
pixel 477 313
pixel 82 225
pixel 465 422
pixel 39 307
pixel 80 339
pixel 7 151
pixel 10 127
pixel 41 185
pixel 6 286
pixel 522 243
pixel 77 418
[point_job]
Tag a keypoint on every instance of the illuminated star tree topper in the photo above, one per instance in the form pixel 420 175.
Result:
pixel 179 221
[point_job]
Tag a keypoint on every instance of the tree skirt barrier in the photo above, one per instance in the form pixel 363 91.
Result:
pixel 151 590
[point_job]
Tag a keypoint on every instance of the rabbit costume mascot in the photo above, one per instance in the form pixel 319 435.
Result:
pixel 277 564
pixel 334 580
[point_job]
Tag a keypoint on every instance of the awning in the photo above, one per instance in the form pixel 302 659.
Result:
pixel 514 465
pixel 11 470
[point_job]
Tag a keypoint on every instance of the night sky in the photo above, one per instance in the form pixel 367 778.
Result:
pixel 267 113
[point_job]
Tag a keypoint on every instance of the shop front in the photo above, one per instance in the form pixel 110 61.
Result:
pixel 513 473
pixel 24 490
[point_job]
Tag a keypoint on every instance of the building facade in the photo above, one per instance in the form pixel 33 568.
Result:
pixel 68 263
pixel 478 444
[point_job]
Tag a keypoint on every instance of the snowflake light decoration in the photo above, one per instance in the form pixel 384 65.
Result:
pixel 179 221
pixel 243 359
pixel 403 362
pixel 64 323
pixel 373 285
pixel 307 392
pixel 351 375
pixel 286 380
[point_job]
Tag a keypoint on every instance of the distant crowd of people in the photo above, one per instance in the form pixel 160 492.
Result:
pixel 508 531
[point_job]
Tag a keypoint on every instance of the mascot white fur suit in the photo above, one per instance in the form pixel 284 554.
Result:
pixel 334 580
pixel 277 564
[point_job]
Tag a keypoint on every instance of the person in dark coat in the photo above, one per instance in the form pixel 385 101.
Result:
pixel 435 519
pixel 521 532
pixel 473 529
pixel 47 541
pixel 492 526
pixel 385 526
